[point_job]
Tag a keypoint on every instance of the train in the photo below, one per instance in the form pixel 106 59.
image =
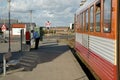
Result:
pixel 97 37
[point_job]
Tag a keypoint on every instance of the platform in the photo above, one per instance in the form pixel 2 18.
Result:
pixel 52 61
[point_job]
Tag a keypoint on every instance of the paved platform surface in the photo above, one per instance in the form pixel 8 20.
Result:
pixel 53 61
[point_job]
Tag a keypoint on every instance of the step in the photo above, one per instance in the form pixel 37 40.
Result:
pixel 27 60
pixel 27 66
pixel 27 69
pixel 31 55
pixel 12 62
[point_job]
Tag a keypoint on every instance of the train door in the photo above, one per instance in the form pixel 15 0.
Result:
pixel 118 63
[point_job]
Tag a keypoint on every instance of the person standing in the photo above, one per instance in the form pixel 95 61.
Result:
pixel 28 44
pixel 27 37
pixel 36 36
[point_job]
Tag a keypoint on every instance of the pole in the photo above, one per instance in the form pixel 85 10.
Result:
pixel 4 65
pixel 9 50
pixel 31 19
pixel 21 38
pixel 31 15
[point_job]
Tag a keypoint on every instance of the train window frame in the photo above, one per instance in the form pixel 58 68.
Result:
pixel 87 20
pixel 81 22
pixel 77 17
pixel 84 21
pixel 98 15
pixel 75 22
pixel 108 29
pixel 91 23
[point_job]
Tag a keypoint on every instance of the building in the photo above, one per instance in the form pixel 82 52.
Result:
pixel 16 28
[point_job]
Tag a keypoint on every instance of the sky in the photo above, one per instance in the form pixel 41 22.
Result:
pixel 58 12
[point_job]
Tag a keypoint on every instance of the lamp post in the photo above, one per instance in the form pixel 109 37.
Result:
pixel 9 50
pixel 31 12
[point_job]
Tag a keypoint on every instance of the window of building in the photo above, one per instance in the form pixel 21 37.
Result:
pixel 107 16
pixel 91 19
pixel 98 13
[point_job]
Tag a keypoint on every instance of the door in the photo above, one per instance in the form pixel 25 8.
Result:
pixel 118 63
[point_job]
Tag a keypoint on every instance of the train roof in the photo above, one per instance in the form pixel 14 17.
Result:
pixel 86 4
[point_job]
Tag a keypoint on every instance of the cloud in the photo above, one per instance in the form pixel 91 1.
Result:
pixel 60 12
pixel 19 5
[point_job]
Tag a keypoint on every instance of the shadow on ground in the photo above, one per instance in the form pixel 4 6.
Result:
pixel 29 60
pixel 48 53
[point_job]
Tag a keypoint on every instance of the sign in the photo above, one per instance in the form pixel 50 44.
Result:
pixel 47 24
pixel 3 28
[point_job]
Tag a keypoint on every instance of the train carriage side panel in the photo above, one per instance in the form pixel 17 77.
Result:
pixel 81 45
pixel 99 55
pixel 103 56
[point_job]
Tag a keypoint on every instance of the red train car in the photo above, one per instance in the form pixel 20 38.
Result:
pixel 97 26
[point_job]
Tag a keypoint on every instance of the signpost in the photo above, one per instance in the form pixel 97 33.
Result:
pixel 48 24
pixel 3 28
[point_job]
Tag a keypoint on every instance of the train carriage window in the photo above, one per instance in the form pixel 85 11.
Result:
pixel 107 16
pixel 92 19
pixel 81 22
pixel 77 23
pixel 98 13
pixel 87 23
pixel 84 21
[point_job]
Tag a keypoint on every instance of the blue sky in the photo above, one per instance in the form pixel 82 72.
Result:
pixel 58 12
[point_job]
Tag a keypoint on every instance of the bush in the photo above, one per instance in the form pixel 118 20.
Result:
pixel 50 31
pixel 1 32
